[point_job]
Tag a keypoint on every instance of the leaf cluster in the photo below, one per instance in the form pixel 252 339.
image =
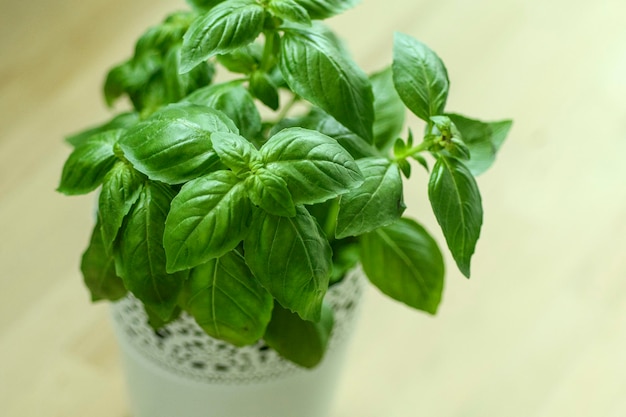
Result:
pixel 244 221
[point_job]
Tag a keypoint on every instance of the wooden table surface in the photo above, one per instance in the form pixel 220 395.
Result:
pixel 539 330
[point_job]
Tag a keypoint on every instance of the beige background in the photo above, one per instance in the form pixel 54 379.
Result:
pixel 539 330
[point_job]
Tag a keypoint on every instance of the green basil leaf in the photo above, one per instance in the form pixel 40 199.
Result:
pixel 314 166
pixel 405 263
pixel 123 120
pixel 292 259
pixel 234 101
pixel 120 190
pixel 87 165
pixel 226 27
pixel 139 253
pixel 456 202
pixel 300 341
pixel 315 70
pixel 227 301
pixel 420 77
pixel 208 218
pixel 377 202
pixel 235 151
pixel 388 110
pixel 290 10
pixel 322 9
pixel 262 87
pixel 174 144
pixel 270 192
pixel 98 268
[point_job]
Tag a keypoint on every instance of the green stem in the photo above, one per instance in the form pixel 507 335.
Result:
pixel 416 149
pixel 268 50
pixel 331 220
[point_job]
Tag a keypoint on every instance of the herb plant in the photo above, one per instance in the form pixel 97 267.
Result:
pixel 243 220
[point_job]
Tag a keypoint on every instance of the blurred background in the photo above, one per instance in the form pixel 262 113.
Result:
pixel 539 330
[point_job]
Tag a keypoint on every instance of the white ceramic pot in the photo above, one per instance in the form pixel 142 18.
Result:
pixel 181 372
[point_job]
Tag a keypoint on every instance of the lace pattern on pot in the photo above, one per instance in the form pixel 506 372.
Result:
pixel 183 348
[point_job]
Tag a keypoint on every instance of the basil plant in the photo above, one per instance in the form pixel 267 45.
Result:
pixel 240 202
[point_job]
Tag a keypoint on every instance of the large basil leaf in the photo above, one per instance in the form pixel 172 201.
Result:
pixel 270 192
pixel 314 165
pixel 377 202
pixel 388 110
pixel 174 144
pixel 300 341
pixel 87 165
pixel 139 253
pixel 233 100
pixel 226 27
pixel 405 263
pixel 315 69
pixel 208 218
pixel 420 77
pixel 456 202
pixel 227 301
pixel 292 259
pixel 322 9
pixel 98 268
pixel 120 190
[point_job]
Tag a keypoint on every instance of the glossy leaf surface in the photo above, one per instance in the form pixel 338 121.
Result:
pixel 120 190
pixel 226 27
pixel 227 301
pixel 377 202
pixel 140 257
pixel 405 263
pixel 420 77
pixel 88 164
pixel 292 259
pixel 315 70
pixel 174 144
pixel 456 202
pixel 314 166
pixel 208 218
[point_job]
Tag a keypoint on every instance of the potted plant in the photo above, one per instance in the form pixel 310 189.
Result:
pixel 240 202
